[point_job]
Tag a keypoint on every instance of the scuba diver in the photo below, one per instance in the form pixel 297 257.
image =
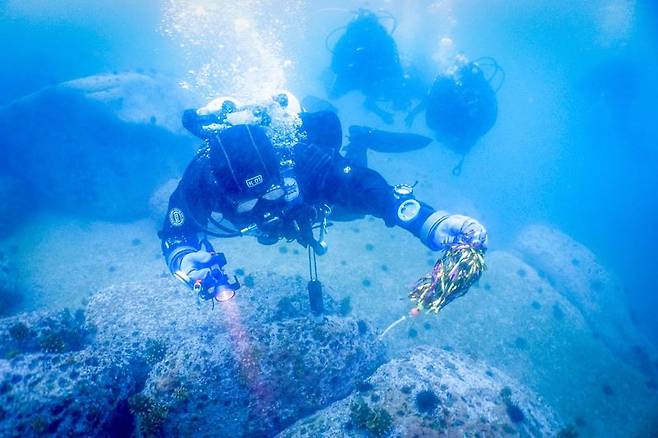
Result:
pixel 275 173
pixel 461 105
pixel 366 58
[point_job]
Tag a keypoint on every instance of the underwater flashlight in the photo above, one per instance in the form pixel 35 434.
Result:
pixel 224 293
pixel 216 285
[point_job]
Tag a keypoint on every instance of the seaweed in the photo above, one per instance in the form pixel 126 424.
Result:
pixel 151 414
pixel 63 333
pixel 376 421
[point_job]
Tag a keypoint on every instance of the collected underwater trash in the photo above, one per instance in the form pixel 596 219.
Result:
pixel 452 276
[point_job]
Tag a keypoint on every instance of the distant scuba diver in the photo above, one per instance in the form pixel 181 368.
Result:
pixel 274 174
pixel 461 106
pixel 365 58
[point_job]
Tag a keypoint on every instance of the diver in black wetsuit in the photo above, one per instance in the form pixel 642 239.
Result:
pixel 461 106
pixel 366 58
pixel 274 192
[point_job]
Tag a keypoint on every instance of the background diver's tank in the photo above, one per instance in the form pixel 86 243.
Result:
pixel 462 107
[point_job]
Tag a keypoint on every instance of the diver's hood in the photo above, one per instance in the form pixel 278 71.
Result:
pixel 244 161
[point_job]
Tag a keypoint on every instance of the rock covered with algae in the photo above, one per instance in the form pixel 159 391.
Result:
pixel 432 392
pixel 52 381
pixel 145 359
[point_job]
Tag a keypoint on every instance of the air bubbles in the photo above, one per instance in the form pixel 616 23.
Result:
pixel 241 24
pixel 234 47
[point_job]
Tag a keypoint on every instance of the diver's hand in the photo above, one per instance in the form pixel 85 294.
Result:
pixel 196 265
pixel 458 228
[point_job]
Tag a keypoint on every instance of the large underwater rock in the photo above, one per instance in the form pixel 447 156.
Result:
pixel 9 296
pixel 98 145
pixel 573 270
pixel 430 392
pixel 517 322
pixel 147 358
pixel 52 382
pixel 14 202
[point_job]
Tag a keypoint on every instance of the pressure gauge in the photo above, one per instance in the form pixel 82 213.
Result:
pixel 408 210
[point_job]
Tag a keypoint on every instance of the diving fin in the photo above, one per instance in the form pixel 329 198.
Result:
pixel 385 141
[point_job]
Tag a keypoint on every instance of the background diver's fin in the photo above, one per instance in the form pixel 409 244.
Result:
pixel 313 104
pixel 384 141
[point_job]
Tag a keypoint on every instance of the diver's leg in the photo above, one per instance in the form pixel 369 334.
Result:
pixel 371 105
pixel 409 120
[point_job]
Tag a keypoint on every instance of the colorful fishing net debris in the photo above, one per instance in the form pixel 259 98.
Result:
pixel 452 276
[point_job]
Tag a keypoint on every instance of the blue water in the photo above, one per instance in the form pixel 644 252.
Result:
pixel 575 145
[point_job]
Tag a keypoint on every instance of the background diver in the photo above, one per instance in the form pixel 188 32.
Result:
pixel 461 106
pixel 365 58
pixel 272 192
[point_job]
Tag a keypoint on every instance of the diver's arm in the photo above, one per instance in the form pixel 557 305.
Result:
pixel 194 263
pixel 361 190
pixel 364 191
pixel 187 213
pixel 179 232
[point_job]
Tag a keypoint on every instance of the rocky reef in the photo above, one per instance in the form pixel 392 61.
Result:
pixel 145 358
pixel 148 359
pixel 431 392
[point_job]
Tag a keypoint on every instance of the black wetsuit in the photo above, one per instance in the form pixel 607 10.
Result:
pixel 323 175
